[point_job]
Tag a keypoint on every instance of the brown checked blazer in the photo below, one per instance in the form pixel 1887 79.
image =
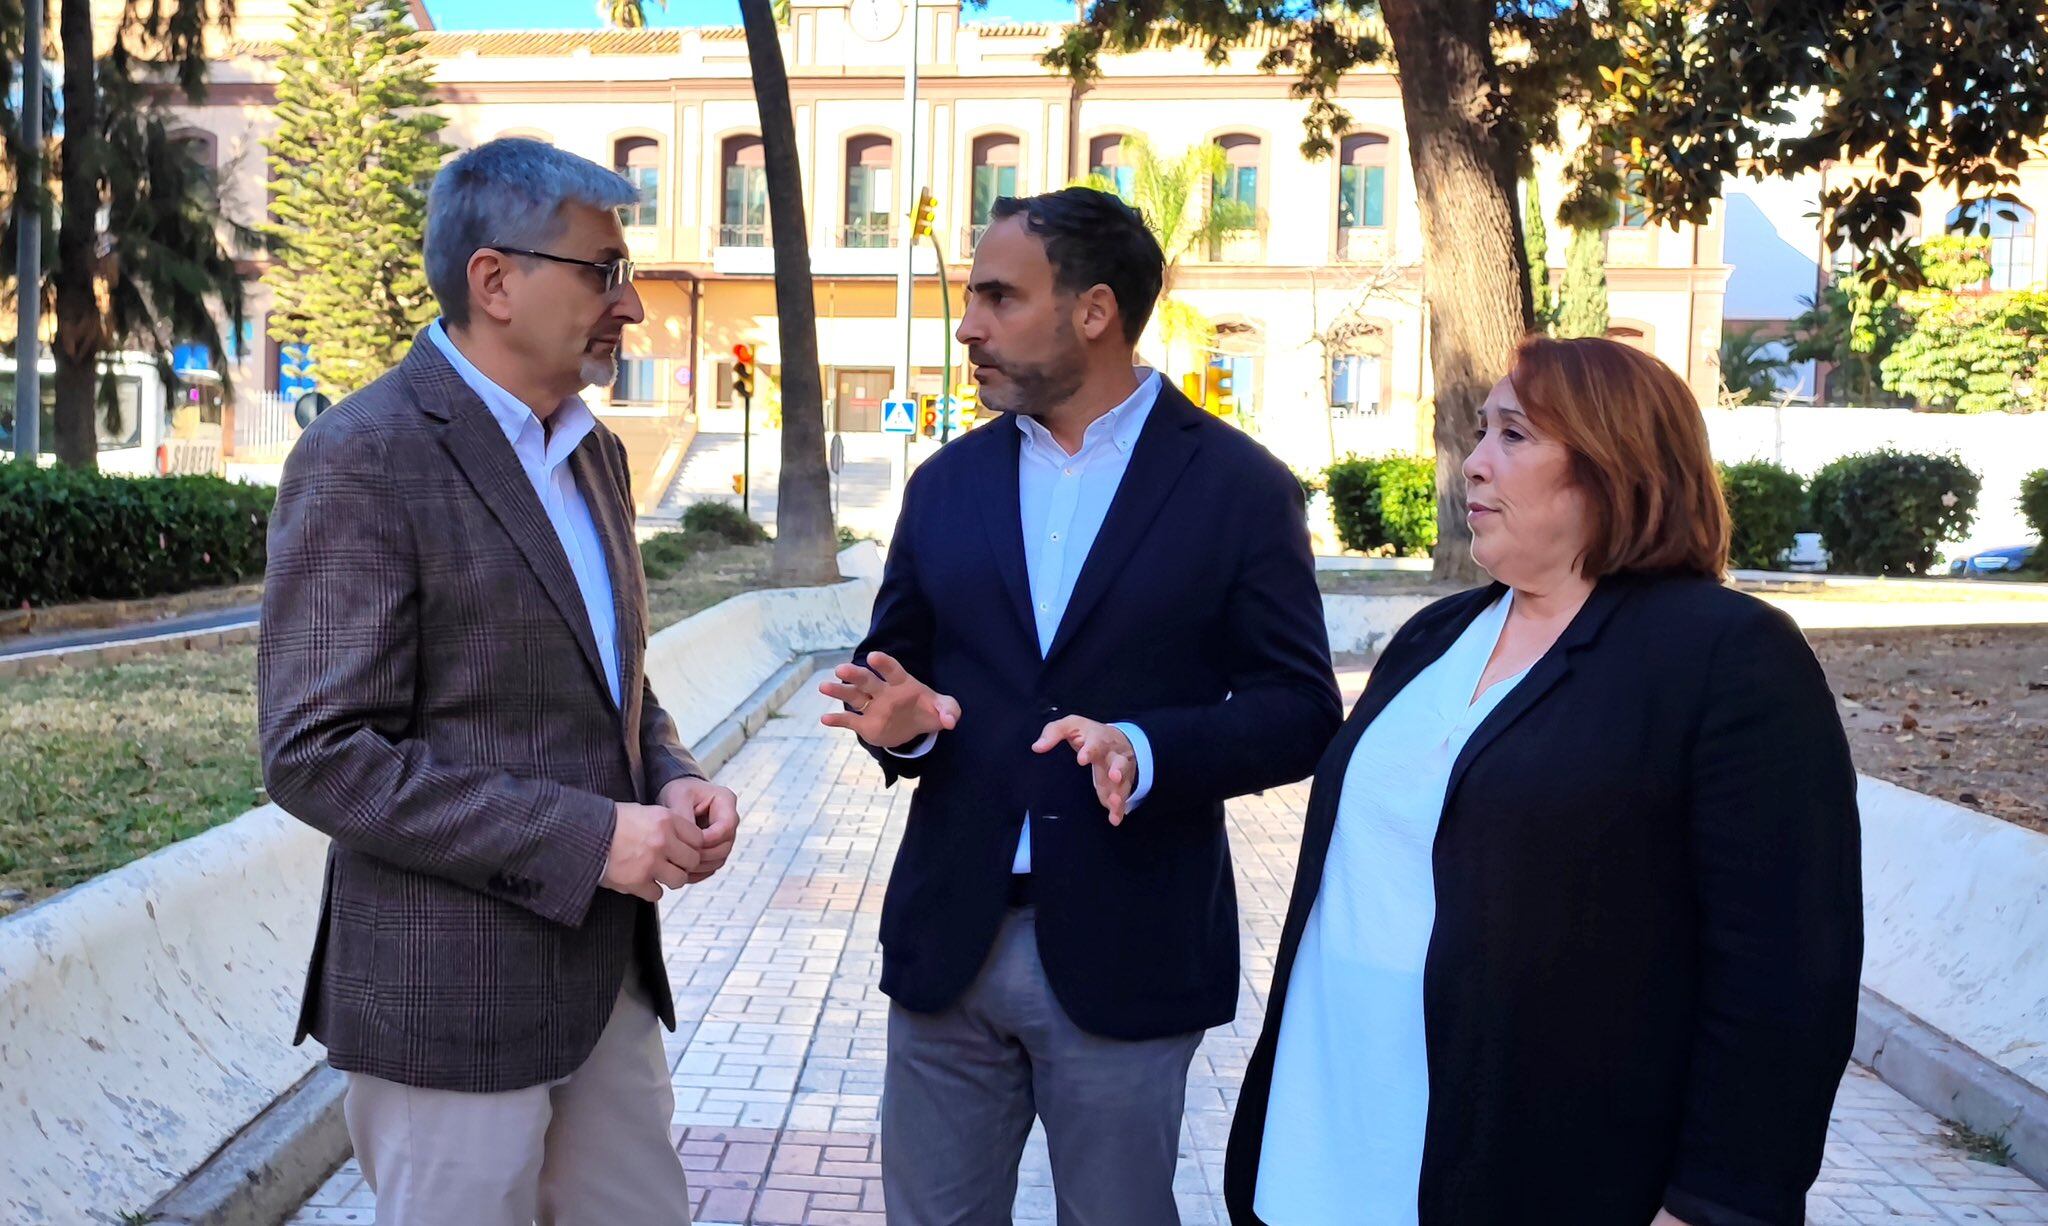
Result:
pixel 431 698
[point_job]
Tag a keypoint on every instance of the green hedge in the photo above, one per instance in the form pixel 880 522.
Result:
pixel 725 520
pixel 1889 512
pixel 1766 505
pixel 1384 504
pixel 2034 502
pixel 68 535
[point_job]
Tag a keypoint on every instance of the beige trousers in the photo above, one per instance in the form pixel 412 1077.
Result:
pixel 591 1148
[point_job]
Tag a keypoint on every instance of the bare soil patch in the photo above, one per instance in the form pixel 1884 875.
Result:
pixel 1960 713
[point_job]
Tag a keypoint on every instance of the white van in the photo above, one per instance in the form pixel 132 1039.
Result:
pixel 148 429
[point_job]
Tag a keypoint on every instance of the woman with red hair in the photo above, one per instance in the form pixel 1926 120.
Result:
pixel 1577 923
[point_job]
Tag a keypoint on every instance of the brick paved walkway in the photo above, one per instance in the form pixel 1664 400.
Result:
pixel 778 1055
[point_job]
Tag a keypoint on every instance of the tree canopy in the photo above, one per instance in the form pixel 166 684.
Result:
pixel 1683 93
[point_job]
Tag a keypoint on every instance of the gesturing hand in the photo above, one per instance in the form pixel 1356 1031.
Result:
pixel 1105 751
pixel 712 812
pixel 891 708
pixel 649 850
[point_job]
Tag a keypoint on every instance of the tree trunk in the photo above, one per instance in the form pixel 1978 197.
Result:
pixel 78 340
pixel 1476 284
pixel 806 545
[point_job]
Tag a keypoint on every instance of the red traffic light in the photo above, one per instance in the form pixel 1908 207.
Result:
pixel 745 353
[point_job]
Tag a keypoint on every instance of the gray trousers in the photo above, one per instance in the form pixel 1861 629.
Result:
pixel 963 1084
pixel 592 1148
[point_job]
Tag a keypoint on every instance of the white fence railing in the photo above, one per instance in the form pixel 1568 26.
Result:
pixel 264 425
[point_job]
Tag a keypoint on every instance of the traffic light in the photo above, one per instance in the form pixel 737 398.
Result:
pixel 922 216
pixel 739 483
pixel 1216 393
pixel 743 372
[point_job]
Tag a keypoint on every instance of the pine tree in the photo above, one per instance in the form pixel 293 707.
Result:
pixel 1582 299
pixel 355 151
pixel 1536 240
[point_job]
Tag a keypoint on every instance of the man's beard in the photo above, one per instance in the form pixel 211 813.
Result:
pixel 599 369
pixel 1035 389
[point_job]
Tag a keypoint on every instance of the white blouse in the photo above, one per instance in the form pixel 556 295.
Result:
pixel 1350 1095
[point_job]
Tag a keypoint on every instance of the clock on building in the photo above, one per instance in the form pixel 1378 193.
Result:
pixel 875 20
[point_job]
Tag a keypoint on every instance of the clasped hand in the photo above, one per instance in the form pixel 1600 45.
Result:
pixel 680 841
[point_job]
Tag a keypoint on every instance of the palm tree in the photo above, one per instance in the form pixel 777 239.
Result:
pixel 140 247
pixel 1750 365
pixel 1185 212
pixel 806 544
pixel 625 14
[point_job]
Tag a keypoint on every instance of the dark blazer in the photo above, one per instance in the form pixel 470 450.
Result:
pixel 1195 616
pixel 431 697
pixel 1640 990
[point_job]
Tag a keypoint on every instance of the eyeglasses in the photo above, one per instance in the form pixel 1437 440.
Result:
pixel 615 273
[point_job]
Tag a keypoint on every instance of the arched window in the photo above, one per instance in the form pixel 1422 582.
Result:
pixel 1240 180
pixel 639 159
pixel 743 178
pixel 870 191
pixel 1635 211
pixel 1634 335
pixel 200 146
pixel 997 159
pixel 2009 225
pixel 1362 166
pixel 1106 158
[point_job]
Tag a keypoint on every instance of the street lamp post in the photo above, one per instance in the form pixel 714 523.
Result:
pixel 904 277
pixel 28 228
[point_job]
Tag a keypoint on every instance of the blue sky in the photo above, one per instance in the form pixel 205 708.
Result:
pixel 582 14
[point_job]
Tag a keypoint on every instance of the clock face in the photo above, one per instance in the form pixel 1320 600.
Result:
pixel 876 20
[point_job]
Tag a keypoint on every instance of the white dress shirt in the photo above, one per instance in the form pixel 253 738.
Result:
pixel 543 452
pixel 1350 1094
pixel 1062 500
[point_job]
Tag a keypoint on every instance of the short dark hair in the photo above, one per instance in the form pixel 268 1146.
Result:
pixel 1094 238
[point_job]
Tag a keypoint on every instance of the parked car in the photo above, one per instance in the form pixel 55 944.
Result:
pixel 1992 561
pixel 1806 553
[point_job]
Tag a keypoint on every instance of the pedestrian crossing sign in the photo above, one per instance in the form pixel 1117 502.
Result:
pixel 899 417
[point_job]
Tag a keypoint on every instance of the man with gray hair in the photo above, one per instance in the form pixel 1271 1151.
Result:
pixel 451 688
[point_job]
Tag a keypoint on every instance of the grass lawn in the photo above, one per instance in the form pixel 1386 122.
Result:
pixel 1380 583
pixel 704 580
pixel 107 764
pixel 104 765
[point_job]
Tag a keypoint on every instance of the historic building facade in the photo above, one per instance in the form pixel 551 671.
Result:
pixel 1317 305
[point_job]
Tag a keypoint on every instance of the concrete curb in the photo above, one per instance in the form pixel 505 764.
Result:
pixel 269 1168
pixel 32 663
pixel 1953 1081
pixel 720 744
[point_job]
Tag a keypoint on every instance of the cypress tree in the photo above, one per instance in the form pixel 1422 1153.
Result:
pixel 1536 242
pixel 1582 306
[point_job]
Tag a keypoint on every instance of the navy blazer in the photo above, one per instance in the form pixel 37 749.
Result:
pixel 1640 988
pixel 1195 616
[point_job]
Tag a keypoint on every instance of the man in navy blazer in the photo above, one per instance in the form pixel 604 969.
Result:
pixel 1099 621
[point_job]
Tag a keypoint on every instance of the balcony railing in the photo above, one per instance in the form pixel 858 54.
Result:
pixel 1364 243
pixel 1246 246
pixel 742 235
pixel 1631 248
pixel 868 234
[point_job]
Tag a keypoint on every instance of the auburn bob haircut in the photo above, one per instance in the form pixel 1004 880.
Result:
pixel 1639 451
